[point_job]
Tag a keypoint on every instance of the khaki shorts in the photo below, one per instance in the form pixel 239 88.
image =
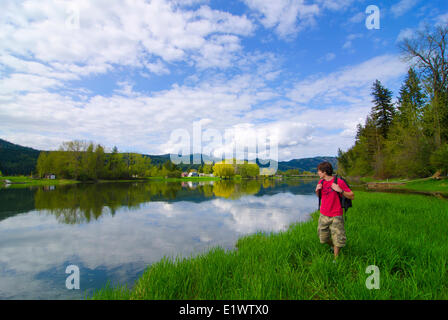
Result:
pixel 334 227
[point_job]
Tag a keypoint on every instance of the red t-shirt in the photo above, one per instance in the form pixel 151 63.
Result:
pixel 330 204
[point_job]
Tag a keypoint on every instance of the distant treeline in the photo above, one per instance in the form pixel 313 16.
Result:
pixel 84 161
pixel 19 160
pixel 80 160
pixel 407 138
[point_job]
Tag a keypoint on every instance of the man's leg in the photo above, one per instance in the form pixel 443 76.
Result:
pixel 336 251
pixel 338 234
pixel 323 230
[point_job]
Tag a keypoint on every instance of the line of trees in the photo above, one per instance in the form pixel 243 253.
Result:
pixel 83 161
pixel 408 138
pixel 228 169
pixel 294 172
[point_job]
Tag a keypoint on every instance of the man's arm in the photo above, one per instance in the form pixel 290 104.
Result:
pixel 348 194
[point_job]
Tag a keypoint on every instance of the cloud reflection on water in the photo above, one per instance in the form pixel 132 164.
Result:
pixel 33 246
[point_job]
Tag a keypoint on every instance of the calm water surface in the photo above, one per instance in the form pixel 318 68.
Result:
pixel 113 231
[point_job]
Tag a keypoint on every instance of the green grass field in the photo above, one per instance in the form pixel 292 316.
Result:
pixel 423 184
pixel 404 235
pixel 427 185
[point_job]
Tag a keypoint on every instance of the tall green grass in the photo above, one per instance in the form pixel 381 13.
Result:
pixel 423 184
pixel 404 235
pixel 427 185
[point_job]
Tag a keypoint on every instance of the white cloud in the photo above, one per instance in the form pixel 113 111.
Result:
pixel 402 7
pixel 282 15
pixel 438 20
pixel 330 56
pixel 128 118
pixel 218 51
pixel 333 106
pixel 143 122
pixel 136 33
pixel 22 82
pixel 157 67
pixel 343 85
pixel 40 109
pixel 405 33
pixel 357 18
pixel 350 38
pixel 335 5
pixel 289 17
pixel 39 55
pixel 442 19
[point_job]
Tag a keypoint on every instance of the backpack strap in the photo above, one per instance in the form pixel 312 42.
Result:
pixel 339 196
pixel 320 191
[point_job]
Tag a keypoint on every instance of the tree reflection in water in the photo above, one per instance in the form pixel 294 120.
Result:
pixel 83 203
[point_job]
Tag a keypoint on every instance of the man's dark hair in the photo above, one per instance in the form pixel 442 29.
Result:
pixel 325 167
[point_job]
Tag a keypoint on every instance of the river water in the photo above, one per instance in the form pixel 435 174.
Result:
pixel 113 231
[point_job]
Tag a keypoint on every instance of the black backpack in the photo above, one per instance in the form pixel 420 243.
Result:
pixel 346 203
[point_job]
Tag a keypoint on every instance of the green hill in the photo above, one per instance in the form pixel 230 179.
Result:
pixel 306 164
pixel 15 159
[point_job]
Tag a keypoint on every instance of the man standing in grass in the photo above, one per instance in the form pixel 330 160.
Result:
pixel 331 221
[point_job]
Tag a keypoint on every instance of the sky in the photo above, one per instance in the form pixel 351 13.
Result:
pixel 136 73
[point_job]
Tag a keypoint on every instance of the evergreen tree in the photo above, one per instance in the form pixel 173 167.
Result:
pixel 100 161
pixel 410 101
pixel 383 110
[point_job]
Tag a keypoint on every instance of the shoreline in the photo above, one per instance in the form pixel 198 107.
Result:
pixel 24 181
pixel 424 185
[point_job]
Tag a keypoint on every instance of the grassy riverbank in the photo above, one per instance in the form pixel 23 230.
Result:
pixel 26 181
pixel 427 185
pixel 404 235
pixel 424 184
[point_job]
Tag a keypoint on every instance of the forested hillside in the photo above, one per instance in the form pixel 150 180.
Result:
pixel 15 159
pixel 306 164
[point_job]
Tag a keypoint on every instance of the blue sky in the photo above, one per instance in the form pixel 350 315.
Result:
pixel 130 73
